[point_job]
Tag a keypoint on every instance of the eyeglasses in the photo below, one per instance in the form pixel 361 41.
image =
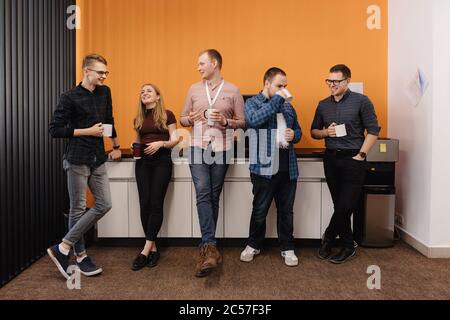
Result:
pixel 335 82
pixel 100 73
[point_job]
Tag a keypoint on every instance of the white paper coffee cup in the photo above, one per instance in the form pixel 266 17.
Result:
pixel 208 113
pixel 340 130
pixel 288 95
pixel 107 130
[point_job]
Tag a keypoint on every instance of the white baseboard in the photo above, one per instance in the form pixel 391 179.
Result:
pixel 427 251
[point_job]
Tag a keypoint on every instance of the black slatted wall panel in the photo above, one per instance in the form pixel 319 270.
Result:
pixel 37 64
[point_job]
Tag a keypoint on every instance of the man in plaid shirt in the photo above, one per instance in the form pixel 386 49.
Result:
pixel 80 116
pixel 273 164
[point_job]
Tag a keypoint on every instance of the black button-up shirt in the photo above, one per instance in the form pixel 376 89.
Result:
pixel 356 111
pixel 80 108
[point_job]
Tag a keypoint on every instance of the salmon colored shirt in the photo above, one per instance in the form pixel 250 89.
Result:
pixel 229 103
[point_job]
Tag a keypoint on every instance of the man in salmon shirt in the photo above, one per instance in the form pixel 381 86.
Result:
pixel 213 106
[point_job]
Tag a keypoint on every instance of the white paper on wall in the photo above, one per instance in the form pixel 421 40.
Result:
pixel 356 87
pixel 422 81
pixel 417 87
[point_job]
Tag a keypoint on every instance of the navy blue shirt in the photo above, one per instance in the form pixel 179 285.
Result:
pixel 356 111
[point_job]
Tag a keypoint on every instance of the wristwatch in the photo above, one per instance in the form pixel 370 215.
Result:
pixel 362 155
pixel 116 147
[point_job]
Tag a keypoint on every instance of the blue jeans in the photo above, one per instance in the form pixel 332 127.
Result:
pixel 282 189
pixel 208 182
pixel 79 177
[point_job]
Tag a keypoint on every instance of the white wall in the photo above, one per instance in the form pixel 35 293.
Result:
pixel 418 38
pixel 440 164
pixel 410 46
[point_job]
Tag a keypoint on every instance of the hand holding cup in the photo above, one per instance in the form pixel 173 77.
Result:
pixel 137 150
pixel 214 115
pixel 331 130
pixel 96 130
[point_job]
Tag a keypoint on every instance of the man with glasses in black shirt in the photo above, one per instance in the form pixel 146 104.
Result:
pixel 83 114
pixel 342 120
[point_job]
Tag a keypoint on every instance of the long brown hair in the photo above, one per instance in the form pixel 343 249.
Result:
pixel 159 113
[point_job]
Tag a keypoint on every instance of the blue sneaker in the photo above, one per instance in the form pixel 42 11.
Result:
pixel 61 260
pixel 88 268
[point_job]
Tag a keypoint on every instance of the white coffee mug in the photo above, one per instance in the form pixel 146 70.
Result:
pixel 208 113
pixel 107 130
pixel 340 130
pixel 288 95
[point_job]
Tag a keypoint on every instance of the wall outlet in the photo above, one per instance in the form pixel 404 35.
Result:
pixel 399 220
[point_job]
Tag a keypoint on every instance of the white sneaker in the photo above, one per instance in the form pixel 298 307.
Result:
pixel 248 254
pixel 290 259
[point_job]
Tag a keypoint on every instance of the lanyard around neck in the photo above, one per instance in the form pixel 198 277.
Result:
pixel 211 103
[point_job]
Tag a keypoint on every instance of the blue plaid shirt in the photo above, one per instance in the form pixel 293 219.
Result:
pixel 261 116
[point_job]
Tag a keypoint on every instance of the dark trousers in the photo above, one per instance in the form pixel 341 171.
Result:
pixel 153 175
pixel 345 179
pixel 282 189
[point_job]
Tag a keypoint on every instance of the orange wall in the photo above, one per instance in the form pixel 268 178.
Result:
pixel 158 41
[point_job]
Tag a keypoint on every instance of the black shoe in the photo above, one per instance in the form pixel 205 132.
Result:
pixel 61 260
pixel 139 262
pixel 343 255
pixel 88 268
pixel 324 251
pixel 153 259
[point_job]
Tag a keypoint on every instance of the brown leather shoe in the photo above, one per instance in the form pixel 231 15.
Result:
pixel 211 259
pixel 200 260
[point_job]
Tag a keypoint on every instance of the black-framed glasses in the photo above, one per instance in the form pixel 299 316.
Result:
pixel 100 73
pixel 334 82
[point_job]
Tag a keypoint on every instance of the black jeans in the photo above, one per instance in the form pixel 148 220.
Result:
pixel 153 174
pixel 282 189
pixel 345 179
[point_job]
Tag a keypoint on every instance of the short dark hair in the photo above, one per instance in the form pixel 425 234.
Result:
pixel 346 72
pixel 271 73
pixel 213 54
pixel 93 57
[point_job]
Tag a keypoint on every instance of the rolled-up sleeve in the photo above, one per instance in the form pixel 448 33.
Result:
pixel 184 118
pixel 238 120
pixel 318 120
pixel 369 117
